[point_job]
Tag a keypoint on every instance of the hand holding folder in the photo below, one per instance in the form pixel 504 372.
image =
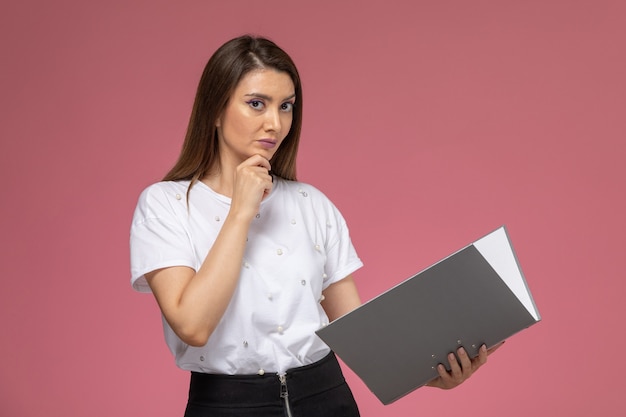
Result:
pixel 462 367
pixel 396 341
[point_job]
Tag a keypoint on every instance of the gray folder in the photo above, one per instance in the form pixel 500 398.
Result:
pixel 475 296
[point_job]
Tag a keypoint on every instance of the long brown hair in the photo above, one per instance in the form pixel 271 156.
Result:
pixel 221 75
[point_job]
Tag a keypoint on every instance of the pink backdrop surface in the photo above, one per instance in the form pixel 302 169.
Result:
pixel 428 123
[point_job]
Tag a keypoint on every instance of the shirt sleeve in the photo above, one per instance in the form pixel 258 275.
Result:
pixel 158 236
pixel 341 256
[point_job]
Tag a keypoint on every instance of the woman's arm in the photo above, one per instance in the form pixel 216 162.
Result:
pixel 341 298
pixel 194 302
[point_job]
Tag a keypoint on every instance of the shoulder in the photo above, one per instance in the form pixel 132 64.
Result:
pixel 298 187
pixel 165 189
pixel 303 191
pixel 161 197
pixel 306 196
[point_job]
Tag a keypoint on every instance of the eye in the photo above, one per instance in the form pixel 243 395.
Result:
pixel 256 104
pixel 286 107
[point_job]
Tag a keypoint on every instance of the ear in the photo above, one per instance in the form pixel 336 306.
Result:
pixel 218 122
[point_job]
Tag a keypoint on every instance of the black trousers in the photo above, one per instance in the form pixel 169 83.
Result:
pixel 315 390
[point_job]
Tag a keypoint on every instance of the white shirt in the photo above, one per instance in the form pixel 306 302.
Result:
pixel 297 246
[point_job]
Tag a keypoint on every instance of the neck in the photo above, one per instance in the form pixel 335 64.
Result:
pixel 219 184
pixel 220 180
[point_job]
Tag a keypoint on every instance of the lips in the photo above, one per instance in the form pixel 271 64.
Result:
pixel 267 143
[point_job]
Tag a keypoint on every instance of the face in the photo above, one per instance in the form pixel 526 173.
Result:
pixel 257 117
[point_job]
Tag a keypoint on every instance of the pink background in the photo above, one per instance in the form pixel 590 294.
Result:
pixel 428 123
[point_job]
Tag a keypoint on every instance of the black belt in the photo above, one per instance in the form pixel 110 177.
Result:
pixel 260 390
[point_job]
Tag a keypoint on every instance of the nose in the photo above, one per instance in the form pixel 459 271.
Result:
pixel 273 120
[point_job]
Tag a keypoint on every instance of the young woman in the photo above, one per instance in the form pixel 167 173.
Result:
pixel 244 261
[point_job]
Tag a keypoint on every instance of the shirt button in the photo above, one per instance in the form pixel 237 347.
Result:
pixel 279 252
pixel 245 343
pixel 202 358
pixel 270 297
pixel 178 197
pixel 293 221
pixel 317 248
pixel 280 329
pixel 217 218
pixel 261 372
pixel 303 282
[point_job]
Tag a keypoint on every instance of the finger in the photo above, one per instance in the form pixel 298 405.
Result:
pixel 466 362
pixel 260 161
pixel 445 380
pixel 481 359
pixel 442 371
pixel 268 188
pixel 259 171
pixel 452 378
pixel 456 370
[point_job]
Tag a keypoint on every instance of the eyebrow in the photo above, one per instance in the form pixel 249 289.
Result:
pixel 268 98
